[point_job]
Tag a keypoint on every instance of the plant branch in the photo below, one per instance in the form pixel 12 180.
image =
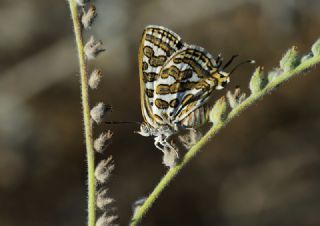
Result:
pixel 86 112
pixel 170 175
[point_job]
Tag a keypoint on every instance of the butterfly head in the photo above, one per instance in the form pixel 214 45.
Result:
pixel 222 78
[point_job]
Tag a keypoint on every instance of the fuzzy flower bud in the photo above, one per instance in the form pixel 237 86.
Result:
pixel 97 112
pixel 274 74
pixel 93 48
pixel 235 98
pixel 290 60
pixel 316 48
pixel 88 17
pixel 103 141
pixel 219 111
pixel 170 156
pixel 104 169
pixel 137 204
pixel 106 220
pixel 307 57
pixel 258 81
pixel 103 200
pixel 95 78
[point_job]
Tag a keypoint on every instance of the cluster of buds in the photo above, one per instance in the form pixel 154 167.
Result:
pixel 104 202
pixel 104 169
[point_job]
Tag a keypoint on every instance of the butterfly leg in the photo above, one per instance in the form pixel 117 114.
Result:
pixel 162 142
pixel 158 142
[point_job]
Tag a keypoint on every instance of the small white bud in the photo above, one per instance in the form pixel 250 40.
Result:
pixel 219 111
pixel 274 74
pixel 257 81
pixel 235 98
pixel 104 169
pixel 103 141
pixel 95 78
pixel 290 60
pixel 103 200
pixel 307 57
pixel 93 48
pixel 88 17
pixel 170 156
pixel 105 220
pixel 98 112
pixel 137 204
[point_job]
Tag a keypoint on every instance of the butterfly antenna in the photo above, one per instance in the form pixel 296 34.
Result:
pixel 230 61
pixel 244 62
pixel 219 60
pixel 122 122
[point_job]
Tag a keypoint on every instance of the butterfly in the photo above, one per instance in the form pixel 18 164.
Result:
pixel 176 82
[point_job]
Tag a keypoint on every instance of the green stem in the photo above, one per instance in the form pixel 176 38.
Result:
pixel 86 112
pixel 170 175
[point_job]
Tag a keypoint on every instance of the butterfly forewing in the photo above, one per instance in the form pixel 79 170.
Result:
pixel 157 45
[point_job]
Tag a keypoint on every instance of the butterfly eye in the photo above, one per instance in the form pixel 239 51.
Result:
pixel 224 83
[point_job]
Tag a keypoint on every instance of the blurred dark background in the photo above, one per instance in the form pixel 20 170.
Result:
pixel 263 169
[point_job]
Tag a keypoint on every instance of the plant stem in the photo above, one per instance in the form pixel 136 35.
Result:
pixel 86 112
pixel 170 175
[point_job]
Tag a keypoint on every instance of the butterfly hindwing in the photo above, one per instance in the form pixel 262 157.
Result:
pixel 184 83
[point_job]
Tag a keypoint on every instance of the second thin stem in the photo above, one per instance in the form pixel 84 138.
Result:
pixel 170 175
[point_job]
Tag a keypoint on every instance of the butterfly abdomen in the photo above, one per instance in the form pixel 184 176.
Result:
pixel 196 118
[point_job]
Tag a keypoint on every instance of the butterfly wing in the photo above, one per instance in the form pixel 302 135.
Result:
pixel 157 45
pixel 184 84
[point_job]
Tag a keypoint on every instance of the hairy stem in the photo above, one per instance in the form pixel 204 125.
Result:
pixel 170 175
pixel 86 112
